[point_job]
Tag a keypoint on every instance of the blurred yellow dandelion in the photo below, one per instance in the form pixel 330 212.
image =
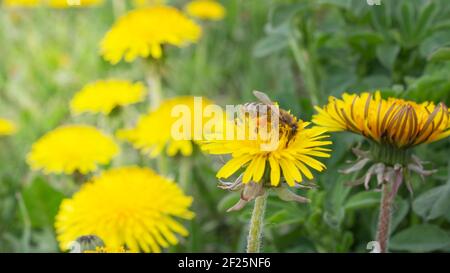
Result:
pixel 143 32
pixel 395 122
pixel 21 3
pixel 72 148
pixel 52 3
pixel 72 3
pixel 7 127
pixel 105 95
pixel 153 131
pixel 206 10
pixel 129 206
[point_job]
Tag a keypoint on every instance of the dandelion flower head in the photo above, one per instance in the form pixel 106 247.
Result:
pixel 291 157
pixel 143 32
pixel 206 10
pixel 105 95
pixel 72 148
pixel 72 3
pixel 7 127
pixel 395 122
pixel 128 206
pixel 21 3
pixel 153 132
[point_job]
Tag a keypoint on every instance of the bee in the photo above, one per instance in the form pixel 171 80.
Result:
pixel 274 111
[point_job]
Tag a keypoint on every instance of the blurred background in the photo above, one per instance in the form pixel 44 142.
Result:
pixel 299 52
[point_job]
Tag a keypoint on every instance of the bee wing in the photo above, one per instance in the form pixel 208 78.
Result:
pixel 262 97
pixel 266 100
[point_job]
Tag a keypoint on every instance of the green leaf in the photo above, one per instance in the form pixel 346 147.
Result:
pixel 365 37
pixel 381 17
pixel 420 238
pixel 426 18
pixel 406 21
pixel 281 15
pixel 387 54
pixel 270 44
pixel 442 54
pixel 432 43
pixel 363 199
pixel 433 203
pixel 42 202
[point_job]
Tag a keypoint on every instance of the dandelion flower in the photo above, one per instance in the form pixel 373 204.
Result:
pixel 52 3
pixel 143 32
pixel 153 131
pixel 394 127
pixel 105 95
pixel 21 3
pixel 7 127
pixel 206 10
pixel 128 206
pixel 72 148
pixel 291 159
pixel 394 122
pixel 73 3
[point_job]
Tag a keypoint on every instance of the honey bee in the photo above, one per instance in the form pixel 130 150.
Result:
pixel 284 116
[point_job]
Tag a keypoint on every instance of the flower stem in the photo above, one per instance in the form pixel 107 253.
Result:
pixel 255 234
pixel 154 85
pixel 384 220
pixel 185 174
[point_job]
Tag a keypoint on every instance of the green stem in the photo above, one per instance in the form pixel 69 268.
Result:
pixel 26 236
pixel 384 220
pixel 302 59
pixel 255 234
pixel 162 164
pixel 154 86
pixel 185 174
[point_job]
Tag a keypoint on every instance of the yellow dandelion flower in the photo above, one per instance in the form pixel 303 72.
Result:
pixel 266 148
pixel 7 127
pixel 395 122
pixel 72 148
pixel 206 10
pixel 105 95
pixel 143 32
pixel 393 126
pixel 21 3
pixel 292 158
pixel 153 132
pixel 73 3
pixel 128 206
